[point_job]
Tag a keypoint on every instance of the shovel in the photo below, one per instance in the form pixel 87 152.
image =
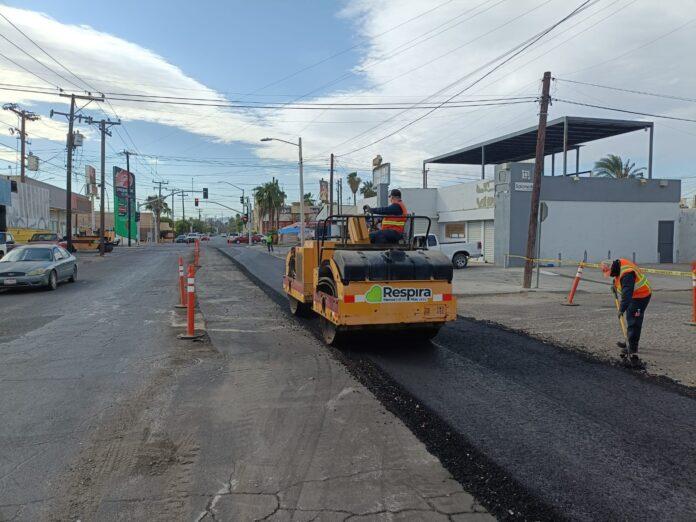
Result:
pixel 622 319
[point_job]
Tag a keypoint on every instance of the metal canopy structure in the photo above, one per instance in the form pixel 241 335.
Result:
pixel 562 134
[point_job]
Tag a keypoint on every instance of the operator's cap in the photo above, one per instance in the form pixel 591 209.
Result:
pixel 395 193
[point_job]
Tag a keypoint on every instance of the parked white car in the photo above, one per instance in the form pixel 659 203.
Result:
pixel 458 251
pixel 6 243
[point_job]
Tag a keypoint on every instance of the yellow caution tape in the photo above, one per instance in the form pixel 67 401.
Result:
pixel 676 273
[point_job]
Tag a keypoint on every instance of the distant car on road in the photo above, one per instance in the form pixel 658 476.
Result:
pixel 7 242
pixel 255 238
pixel 205 237
pixel 192 236
pixel 37 265
pixel 181 239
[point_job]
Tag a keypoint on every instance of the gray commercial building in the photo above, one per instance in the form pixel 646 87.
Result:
pixel 592 217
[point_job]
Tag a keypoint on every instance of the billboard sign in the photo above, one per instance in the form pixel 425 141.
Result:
pixel 324 191
pixel 381 174
pixel 91 176
pixel 124 189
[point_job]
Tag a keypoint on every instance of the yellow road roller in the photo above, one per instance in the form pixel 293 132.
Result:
pixel 355 285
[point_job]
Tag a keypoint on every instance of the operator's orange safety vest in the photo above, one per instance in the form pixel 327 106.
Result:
pixel 396 222
pixel 641 288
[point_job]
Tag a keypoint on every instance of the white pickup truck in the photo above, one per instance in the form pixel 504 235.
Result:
pixel 458 251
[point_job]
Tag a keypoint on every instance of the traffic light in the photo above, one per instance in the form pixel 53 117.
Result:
pixel 241 199
pixel 195 201
pixel 205 193
pixel 245 219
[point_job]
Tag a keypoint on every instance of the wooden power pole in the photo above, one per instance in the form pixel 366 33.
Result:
pixel 536 185
pixel 23 115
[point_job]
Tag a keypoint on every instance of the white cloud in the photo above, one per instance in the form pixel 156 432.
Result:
pixel 407 63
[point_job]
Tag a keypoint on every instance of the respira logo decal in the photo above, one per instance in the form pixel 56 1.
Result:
pixel 390 294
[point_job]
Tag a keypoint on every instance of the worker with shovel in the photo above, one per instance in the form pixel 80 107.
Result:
pixel 632 293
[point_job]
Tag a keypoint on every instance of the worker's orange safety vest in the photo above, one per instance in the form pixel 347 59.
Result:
pixel 395 222
pixel 641 288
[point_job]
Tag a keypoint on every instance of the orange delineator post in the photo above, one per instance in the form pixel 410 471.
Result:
pixel 693 285
pixel 182 283
pixel 190 301
pixel 574 287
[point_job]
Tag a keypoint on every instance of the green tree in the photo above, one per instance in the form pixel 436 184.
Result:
pixel 182 226
pixel 354 184
pixel 269 199
pixel 368 190
pixel 309 199
pixel 612 166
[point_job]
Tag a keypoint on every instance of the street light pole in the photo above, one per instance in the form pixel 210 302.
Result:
pixel 302 216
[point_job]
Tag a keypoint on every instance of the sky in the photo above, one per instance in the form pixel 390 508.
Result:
pixel 342 52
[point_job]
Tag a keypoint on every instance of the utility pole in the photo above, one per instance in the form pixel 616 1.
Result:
pixel 331 176
pixel 104 126
pixel 70 147
pixel 248 209
pixel 183 207
pixel 157 216
pixel 536 185
pixel 22 131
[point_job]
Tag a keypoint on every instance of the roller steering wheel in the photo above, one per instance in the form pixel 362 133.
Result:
pixel 370 221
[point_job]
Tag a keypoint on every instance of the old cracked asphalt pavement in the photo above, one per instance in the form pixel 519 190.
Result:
pixel 70 358
pixel 107 416
pixel 589 440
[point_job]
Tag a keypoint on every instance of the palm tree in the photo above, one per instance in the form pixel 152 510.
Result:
pixel 354 184
pixel 612 166
pixel 309 199
pixel 158 207
pixel 269 199
pixel 368 189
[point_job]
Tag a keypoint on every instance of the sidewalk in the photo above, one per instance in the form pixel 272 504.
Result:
pixel 304 440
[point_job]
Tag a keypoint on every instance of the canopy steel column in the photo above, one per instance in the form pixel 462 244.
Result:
pixel 553 164
pixel 565 145
pixel 577 160
pixel 483 162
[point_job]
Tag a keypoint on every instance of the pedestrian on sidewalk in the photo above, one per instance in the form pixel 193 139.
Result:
pixel 635 292
pixel 269 242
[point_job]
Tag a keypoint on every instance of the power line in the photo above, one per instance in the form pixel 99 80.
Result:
pixel 43 50
pixel 29 71
pixel 511 54
pixel 619 89
pixel 626 111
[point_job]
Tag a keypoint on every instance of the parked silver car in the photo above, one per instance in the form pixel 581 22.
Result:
pixel 37 265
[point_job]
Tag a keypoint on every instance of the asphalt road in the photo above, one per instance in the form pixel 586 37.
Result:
pixel 588 439
pixel 68 358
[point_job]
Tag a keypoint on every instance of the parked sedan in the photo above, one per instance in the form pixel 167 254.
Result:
pixel 37 265
pixel 181 239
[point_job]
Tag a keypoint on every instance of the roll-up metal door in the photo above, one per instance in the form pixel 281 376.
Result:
pixel 488 240
pixel 474 231
pixel 421 225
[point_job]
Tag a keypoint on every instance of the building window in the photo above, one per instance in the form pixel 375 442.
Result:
pixel 13 185
pixel 455 230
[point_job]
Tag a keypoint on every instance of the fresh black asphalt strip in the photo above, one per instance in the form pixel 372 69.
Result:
pixel 533 430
